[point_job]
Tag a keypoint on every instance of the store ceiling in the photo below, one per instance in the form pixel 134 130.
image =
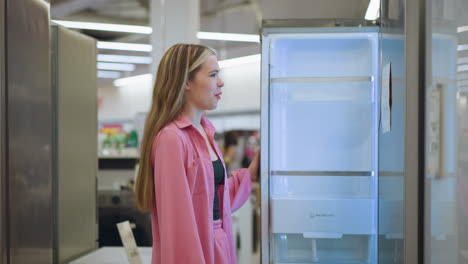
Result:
pixel 229 16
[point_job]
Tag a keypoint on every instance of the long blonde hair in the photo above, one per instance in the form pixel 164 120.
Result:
pixel 178 65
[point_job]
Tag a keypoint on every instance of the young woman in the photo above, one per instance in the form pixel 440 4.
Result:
pixel 181 177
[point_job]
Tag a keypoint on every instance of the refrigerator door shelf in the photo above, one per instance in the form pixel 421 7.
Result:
pixel 293 248
pixel 321 216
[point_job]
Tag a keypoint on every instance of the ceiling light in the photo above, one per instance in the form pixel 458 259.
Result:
pixel 239 61
pixel 108 74
pixel 115 66
pixel 462 29
pixel 124 59
pixel 124 46
pixel 228 36
pixel 462 68
pixel 463 101
pixel 149 30
pixel 105 27
pixel 134 79
pixel 222 64
pixel 462 47
pixel 373 10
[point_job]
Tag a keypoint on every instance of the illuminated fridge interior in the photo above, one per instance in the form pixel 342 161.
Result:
pixel 322 127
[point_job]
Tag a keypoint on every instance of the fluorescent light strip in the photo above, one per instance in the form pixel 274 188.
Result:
pixel 239 61
pixel 462 47
pixel 462 68
pixel 134 79
pixel 222 64
pixel 462 29
pixel 105 27
pixel 115 66
pixel 149 30
pixel 108 74
pixel 228 36
pixel 124 46
pixel 124 59
pixel 373 10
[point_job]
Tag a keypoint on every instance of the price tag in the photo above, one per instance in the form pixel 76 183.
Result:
pixel 129 243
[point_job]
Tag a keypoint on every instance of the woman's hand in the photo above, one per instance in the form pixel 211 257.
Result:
pixel 254 167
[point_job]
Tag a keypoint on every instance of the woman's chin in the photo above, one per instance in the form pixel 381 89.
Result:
pixel 213 106
pixel 209 107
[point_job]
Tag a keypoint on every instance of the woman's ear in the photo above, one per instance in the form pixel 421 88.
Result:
pixel 188 85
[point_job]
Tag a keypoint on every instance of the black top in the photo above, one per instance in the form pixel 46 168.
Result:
pixel 218 179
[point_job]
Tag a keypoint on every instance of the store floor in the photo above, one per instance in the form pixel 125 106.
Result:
pixel 114 255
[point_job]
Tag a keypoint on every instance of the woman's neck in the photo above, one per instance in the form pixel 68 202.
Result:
pixel 194 115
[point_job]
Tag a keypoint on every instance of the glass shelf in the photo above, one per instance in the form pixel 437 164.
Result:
pixel 322 79
pixel 322 173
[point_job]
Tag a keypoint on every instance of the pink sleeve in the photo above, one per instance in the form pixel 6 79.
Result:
pixel 180 242
pixel 240 187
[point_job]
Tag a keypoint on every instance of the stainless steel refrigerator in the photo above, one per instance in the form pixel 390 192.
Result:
pixel 48 157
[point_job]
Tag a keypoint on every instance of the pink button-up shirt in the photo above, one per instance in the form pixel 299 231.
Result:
pixel 182 219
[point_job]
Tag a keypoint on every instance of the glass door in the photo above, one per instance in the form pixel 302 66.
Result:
pixel 446 137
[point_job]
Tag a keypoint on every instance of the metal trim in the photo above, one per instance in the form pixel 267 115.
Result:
pixel 318 23
pixel 54 140
pixel 425 80
pixel 376 94
pixel 415 53
pixel 318 30
pixel 4 241
pixel 425 72
pixel 323 79
pixel 322 173
pixel 264 162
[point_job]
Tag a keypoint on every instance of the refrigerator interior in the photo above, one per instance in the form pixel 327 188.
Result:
pixel 323 90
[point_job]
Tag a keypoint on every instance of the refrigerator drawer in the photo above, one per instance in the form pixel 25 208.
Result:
pixel 320 218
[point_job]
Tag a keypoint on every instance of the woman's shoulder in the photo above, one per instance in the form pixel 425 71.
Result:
pixel 170 134
pixel 169 138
